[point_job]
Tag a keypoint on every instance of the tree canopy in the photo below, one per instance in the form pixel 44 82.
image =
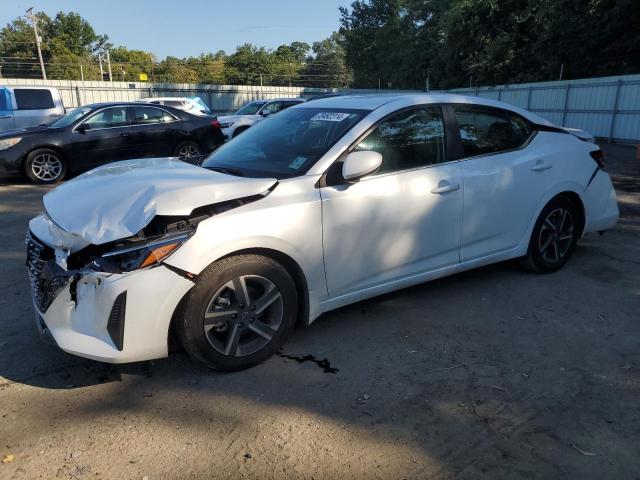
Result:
pixel 387 43
pixel 460 42
pixel 69 41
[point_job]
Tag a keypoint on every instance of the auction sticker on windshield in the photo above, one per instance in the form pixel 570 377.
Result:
pixel 330 116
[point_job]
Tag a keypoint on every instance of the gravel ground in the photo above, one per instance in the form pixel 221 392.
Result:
pixel 492 373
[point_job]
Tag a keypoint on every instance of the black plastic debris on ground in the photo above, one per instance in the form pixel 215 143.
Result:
pixel 305 357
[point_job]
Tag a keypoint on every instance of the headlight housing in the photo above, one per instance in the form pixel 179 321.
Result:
pixel 9 142
pixel 138 256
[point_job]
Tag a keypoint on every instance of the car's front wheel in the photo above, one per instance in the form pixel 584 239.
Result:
pixel 554 236
pixel 45 166
pixel 239 312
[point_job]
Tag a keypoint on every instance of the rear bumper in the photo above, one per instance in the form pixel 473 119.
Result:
pixel 600 204
pixel 81 323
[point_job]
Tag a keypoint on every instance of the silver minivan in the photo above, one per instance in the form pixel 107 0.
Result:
pixel 29 106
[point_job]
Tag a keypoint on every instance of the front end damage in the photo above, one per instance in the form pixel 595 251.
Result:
pixel 112 301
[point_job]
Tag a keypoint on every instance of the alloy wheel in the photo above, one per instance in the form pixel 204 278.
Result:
pixel 46 167
pixel 556 235
pixel 188 151
pixel 243 316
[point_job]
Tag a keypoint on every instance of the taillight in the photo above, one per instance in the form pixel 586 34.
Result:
pixel 215 123
pixel 598 156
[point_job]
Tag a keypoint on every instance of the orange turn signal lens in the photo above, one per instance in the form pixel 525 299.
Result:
pixel 158 254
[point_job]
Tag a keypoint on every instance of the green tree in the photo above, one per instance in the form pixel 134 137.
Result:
pixel 327 67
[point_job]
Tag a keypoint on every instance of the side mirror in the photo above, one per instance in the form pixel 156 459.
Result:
pixel 359 164
pixel 83 127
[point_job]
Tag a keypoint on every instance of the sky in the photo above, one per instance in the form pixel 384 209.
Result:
pixel 185 28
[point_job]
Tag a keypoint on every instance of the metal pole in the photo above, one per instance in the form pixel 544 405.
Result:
pixel 615 110
pixel 561 71
pixel 529 98
pixel 109 63
pixel 101 70
pixel 81 73
pixel 566 103
pixel 34 22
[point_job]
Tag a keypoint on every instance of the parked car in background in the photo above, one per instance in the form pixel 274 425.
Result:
pixel 252 113
pixel 323 205
pixel 193 105
pixel 22 107
pixel 100 133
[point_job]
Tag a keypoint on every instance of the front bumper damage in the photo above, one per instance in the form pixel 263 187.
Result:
pixel 114 318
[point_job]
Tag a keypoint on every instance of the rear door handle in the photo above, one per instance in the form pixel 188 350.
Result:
pixel 124 135
pixel 5 116
pixel 540 166
pixel 55 114
pixel 445 187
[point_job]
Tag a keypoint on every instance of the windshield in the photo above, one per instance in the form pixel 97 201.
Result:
pixel 250 108
pixel 70 117
pixel 285 145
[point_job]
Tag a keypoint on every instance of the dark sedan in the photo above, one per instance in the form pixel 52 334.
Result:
pixel 101 133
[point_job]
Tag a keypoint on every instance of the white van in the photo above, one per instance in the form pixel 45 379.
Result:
pixel 29 106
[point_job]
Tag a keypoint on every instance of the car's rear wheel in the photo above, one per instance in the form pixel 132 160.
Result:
pixel 554 236
pixel 45 166
pixel 239 312
pixel 188 149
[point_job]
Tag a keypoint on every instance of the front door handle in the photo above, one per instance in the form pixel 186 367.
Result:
pixel 445 187
pixel 124 135
pixel 55 114
pixel 5 116
pixel 540 166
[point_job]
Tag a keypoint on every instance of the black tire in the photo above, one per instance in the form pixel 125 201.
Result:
pixel 213 295
pixel 188 149
pixel 554 236
pixel 45 166
pixel 238 131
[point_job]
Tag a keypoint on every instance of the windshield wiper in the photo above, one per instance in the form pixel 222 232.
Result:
pixel 227 171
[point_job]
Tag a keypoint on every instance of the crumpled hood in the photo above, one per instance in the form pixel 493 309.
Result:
pixel 118 200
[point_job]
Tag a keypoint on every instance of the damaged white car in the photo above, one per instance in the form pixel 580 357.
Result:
pixel 323 205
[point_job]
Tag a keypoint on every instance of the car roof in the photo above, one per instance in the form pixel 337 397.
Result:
pixel 152 99
pixel 123 104
pixel 372 101
pixel 289 99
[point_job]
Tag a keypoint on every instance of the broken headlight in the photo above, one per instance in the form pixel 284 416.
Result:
pixel 138 256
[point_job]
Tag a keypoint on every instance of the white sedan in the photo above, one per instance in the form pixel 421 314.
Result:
pixel 252 113
pixel 320 206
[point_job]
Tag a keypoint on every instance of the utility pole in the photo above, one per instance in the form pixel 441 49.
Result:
pixel 101 70
pixel 81 73
pixel 109 63
pixel 34 23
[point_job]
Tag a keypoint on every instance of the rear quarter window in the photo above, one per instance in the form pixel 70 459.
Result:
pixel 33 99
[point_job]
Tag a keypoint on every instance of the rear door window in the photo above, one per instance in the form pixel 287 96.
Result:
pixel 150 116
pixel 485 131
pixel 33 99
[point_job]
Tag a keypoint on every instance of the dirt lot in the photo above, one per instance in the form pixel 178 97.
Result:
pixel 493 373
